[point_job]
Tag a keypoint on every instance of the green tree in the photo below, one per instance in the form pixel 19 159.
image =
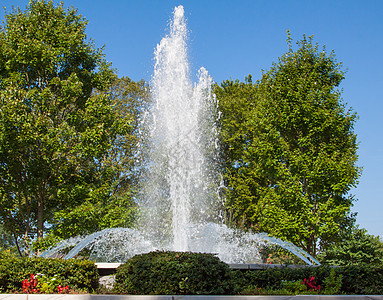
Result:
pixel 299 152
pixel 131 101
pixel 56 120
pixel 236 102
pixel 356 248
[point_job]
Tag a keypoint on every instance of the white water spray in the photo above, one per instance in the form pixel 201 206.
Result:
pixel 178 185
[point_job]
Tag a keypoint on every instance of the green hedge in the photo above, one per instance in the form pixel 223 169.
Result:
pixel 366 280
pixel 183 273
pixel 273 278
pixel 79 275
pixel 174 273
pixel 196 273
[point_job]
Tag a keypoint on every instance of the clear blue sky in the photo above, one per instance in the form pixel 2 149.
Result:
pixel 235 38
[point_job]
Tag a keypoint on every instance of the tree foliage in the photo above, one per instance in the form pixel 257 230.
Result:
pixel 113 203
pixel 356 248
pixel 292 162
pixel 6 239
pixel 236 101
pixel 57 121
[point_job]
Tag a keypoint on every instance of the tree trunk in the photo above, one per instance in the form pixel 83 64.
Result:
pixel 40 222
pixel 311 246
pixel 26 242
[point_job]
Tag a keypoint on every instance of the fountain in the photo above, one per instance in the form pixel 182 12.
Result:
pixel 180 202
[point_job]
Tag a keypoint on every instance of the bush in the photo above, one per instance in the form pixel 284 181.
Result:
pixel 357 248
pixel 333 283
pixel 275 278
pixel 366 280
pixel 363 279
pixel 77 274
pixel 177 273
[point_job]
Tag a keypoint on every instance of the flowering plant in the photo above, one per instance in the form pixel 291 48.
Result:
pixel 62 289
pixel 43 284
pixel 311 284
pixel 30 286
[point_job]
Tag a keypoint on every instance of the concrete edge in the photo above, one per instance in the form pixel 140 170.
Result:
pixel 100 265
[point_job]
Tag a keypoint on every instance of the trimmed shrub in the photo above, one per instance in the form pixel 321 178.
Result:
pixel 366 280
pixel 273 278
pixel 174 273
pixel 363 279
pixel 77 274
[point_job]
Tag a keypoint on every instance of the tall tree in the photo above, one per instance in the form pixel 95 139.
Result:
pixel 236 102
pixel 299 162
pixel 56 123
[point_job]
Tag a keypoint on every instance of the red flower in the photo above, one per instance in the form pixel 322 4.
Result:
pixel 310 283
pixel 30 286
pixel 62 289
